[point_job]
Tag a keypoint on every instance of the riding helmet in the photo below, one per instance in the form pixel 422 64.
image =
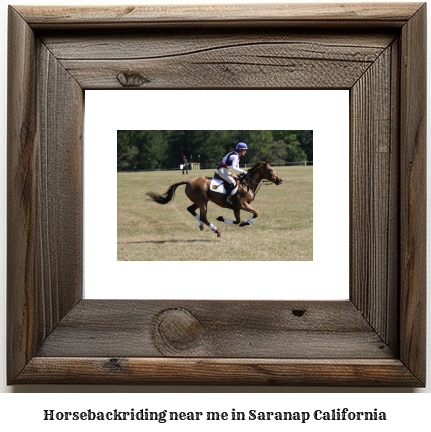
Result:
pixel 242 146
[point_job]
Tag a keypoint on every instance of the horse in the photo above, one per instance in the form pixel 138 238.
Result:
pixel 199 192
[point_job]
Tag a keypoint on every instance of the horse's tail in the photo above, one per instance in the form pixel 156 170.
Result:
pixel 166 197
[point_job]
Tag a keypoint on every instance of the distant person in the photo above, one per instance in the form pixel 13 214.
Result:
pixel 231 160
pixel 185 165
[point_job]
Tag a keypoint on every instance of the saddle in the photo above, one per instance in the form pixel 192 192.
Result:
pixel 225 183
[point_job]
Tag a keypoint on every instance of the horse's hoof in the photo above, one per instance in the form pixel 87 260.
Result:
pixel 220 218
pixel 243 224
pixel 201 227
pixel 219 235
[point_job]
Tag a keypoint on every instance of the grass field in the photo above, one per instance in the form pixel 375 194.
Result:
pixel 147 231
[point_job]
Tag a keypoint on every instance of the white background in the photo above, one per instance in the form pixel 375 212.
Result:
pixel 322 111
pixel 25 410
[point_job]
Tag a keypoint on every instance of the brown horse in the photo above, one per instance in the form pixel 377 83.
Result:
pixel 198 190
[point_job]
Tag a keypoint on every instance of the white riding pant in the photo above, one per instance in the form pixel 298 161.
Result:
pixel 225 175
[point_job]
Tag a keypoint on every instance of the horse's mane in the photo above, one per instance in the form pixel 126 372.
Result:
pixel 245 178
pixel 256 165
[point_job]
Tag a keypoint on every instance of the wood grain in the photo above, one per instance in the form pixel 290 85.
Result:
pixel 59 180
pixel 142 44
pixel 377 51
pixel 21 194
pixel 413 194
pixel 191 59
pixel 374 193
pixel 231 329
pixel 253 15
pixel 44 193
pixel 224 372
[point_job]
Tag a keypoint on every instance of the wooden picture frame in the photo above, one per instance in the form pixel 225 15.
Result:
pixel 376 338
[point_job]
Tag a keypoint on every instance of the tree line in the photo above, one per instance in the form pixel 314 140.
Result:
pixel 148 149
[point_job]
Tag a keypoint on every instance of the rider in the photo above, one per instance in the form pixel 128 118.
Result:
pixel 231 160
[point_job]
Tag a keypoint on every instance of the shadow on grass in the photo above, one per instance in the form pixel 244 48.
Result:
pixel 166 241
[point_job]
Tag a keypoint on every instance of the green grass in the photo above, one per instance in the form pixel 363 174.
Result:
pixel 147 231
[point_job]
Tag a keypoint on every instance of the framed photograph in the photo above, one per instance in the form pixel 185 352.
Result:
pixel 376 337
pixel 127 235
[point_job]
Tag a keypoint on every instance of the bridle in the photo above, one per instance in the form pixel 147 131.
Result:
pixel 245 179
pixel 272 174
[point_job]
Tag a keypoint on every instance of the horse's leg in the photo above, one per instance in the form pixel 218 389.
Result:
pixel 192 209
pixel 229 221
pixel 203 211
pixel 195 191
pixel 248 208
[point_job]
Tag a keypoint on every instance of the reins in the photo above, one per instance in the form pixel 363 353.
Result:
pixel 263 182
pixel 246 178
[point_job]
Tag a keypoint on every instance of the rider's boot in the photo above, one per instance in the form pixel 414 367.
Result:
pixel 227 198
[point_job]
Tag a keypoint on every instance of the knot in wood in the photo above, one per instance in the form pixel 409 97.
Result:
pixel 178 329
pixel 131 79
pixel 115 363
pixel 298 312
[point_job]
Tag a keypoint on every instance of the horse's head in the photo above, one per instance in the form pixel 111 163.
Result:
pixel 270 174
